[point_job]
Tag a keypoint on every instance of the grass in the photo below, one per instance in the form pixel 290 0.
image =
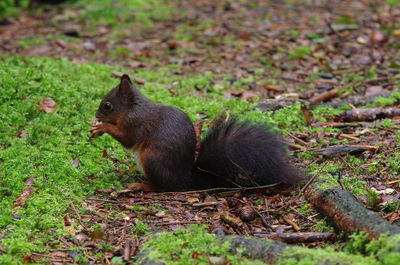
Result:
pixel 119 13
pixel 52 142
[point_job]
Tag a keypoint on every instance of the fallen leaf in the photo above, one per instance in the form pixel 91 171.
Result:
pixel 160 214
pixel 231 219
pixel 117 74
pixel 373 90
pixel 26 193
pixel 218 260
pixel 21 134
pixel 378 37
pixel 88 45
pixel 69 225
pixel 59 254
pixel 29 259
pixel 75 162
pixel 383 192
pixel 140 187
pixel 139 81
pixel 81 237
pixel 47 105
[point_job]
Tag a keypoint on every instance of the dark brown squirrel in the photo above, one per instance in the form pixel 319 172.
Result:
pixel 233 153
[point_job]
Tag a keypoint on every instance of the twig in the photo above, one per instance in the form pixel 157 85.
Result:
pixel 302 215
pixel 293 224
pixel 263 221
pixel 171 223
pixel 222 189
pixel 71 204
pixel 298 140
pixel 101 200
pixel 203 204
pixel 304 188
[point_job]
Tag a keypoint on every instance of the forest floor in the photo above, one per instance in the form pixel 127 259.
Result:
pixel 298 65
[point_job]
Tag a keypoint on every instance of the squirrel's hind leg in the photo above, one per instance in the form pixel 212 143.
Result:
pixel 163 172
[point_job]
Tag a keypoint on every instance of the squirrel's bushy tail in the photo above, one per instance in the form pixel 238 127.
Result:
pixel 240 154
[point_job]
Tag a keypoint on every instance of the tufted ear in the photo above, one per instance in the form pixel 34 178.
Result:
pixel 125 86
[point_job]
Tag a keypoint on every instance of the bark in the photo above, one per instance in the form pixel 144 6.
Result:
pixel 324 96
pixel 357 100
pixel 301 237
pixel 368 114
pixel 345 149
pixel 347 214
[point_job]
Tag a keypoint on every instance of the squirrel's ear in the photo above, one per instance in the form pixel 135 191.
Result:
pixel 126 86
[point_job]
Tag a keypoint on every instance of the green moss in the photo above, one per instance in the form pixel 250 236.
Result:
pixel 393 2
pixel 27 43
pixel 190 246
pixel 140 228
pixel 119 13
pixel 323 226
pixel 120 52
pixel 299 53
pixel 386 101
pixel 345 20
pixel 8 8
pixel 385 249
pixel 304 256
pixel 325 113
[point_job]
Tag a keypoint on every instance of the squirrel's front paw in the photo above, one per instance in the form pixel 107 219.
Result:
pixel 98 130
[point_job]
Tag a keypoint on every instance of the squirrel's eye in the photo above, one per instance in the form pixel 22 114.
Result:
pixel 107 106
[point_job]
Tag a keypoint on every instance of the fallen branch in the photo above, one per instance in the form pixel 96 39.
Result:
pixel 368 114
pixel 357 100
pixel 347 214
pixel 324 96
pixel 346 149
pixel 301 237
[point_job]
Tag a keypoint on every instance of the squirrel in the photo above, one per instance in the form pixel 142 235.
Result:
pixel 232 154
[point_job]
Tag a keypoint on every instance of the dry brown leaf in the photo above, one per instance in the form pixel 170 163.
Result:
pixel 373 90
pixel 47 105
pixel 75 162
pixel 140 81
pixel 377 37
pixel 59 254
pixel 192 198
pixel 69 225
pixel 26 193
pixel 231 219
pixel 140 187
pixel 21 134
pixel 117 74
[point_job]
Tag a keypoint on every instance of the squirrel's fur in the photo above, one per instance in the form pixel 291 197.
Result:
pixel 233 154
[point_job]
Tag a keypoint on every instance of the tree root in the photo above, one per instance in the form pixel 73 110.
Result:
pixel 346 214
